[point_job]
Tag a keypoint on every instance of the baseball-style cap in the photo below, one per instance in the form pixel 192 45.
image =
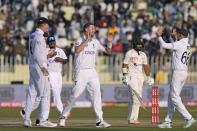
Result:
pixel 42 20
pixel 51 38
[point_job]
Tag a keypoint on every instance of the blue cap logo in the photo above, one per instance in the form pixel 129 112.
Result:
pixel 51 38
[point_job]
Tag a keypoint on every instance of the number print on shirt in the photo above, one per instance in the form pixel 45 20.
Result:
pixel 185 57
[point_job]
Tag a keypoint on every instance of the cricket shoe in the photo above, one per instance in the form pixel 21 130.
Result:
pixel 37 122
pixel 27 123
pixel 22 113
pixel 134 122
pixel 103 124
pixel 47 123
pixel 62 121
pixel 189 123
pixel 165 125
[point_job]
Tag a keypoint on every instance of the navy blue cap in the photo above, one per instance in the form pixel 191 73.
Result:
pixel 42 20
pixel 51 38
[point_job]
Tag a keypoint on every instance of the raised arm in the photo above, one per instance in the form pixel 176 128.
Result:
pixel 107 50
pixel 164 44
pixel 109 44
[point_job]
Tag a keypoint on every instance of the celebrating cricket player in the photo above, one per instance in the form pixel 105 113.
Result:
pixel 86 49
pixel 39 87
pixel 180 58
pixel 134 63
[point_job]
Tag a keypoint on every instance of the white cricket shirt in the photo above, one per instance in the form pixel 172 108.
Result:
pixel 86 59
pixel 181 53
pixel 135 61
pixel 56 66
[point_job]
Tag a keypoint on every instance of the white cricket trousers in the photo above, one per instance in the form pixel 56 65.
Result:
pixel 174 99
pixel 38 93
pixel 136 83
pixel 56 88
pixel 84 77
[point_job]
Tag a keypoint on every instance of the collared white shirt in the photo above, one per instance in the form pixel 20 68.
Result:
pixel 38 49
pixel 86 59
pixel 135 61
pixel 181 53
pixel 56 66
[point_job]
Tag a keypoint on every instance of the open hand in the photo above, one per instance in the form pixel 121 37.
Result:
pixel 159 31
pixel 110 37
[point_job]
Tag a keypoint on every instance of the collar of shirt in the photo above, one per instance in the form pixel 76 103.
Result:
pixel 137 52
pixel 39 31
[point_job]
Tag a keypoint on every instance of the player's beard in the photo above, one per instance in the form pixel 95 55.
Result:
pixel 138 50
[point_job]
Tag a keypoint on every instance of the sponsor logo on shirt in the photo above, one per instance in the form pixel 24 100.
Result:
pixel 134 59
pixel 89 52
pixel 51 61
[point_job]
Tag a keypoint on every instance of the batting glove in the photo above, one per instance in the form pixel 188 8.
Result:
pixel 125 79
pixel 150 81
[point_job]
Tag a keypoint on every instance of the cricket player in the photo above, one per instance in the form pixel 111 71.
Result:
pixel 55 76
pixel 86 49
pixel 55 72
pixel 180 57
pixel 39 87
pixel 133 68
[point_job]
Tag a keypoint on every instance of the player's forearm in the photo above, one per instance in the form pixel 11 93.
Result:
pixel 42 62
pixel 146 70
pixel 164 44
pixel 108 48
pixel 60 60
pixel 81 47
pixel 63 61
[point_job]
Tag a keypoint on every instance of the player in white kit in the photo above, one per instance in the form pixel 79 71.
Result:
pixel 180 58
pixel 86 49
pixel 133 68
pixel 39 87
pixel 55 76
pixel 55 72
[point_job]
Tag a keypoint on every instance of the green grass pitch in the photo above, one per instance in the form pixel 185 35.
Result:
pixel 83 119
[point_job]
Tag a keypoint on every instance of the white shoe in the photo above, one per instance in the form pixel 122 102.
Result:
pixel 27 123
pixel 102 124
pixel 134 122
pixel 47 123
pixel 62 121
pixel 22 113
pixel 165 125
pixel 189 123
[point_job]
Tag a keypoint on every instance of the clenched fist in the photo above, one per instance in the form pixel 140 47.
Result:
pixel 51 53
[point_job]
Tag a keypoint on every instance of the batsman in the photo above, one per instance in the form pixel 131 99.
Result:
pixel 133 68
